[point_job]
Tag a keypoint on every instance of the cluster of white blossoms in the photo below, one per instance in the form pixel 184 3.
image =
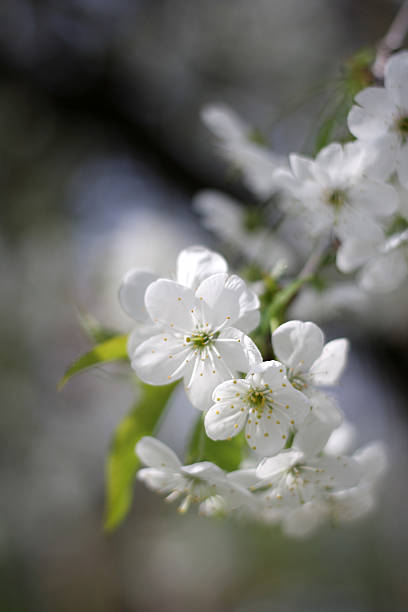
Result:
pixel 195 329
pixel 353 194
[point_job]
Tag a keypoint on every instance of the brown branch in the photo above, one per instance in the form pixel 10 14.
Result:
pixel 392 41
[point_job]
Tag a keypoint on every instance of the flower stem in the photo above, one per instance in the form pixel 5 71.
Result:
pixel 392 41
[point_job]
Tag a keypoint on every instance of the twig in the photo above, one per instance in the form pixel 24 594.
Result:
pixel 312 264
pixel 392 41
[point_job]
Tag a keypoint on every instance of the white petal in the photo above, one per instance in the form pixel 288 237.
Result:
pixel 222 300
pixel 171 304
pixel 382 156
pixel 245 478
pixel 225 419
pixel 373 460
pixel 385 272
pixel 374 198
pixel 341 440
pixel 272 373
pixel 156 359
pixel 402 165
pixel 396 79
pixel 303 521
pixel 273 466
pixel 319 424
pixel 372 117
pixel 302 167
pixel 335 473
pixel 132 292
pixel 161 480
pixel 154 453
pixel 205 376
pixel 197 263
pixel 298 344
pixel 235 351
pixel 352 504
pixel 223 122
pixel 328 368
pixel 330 158
pixel 139 334
pixel 248 321
pixel 248 300
pixel 354 252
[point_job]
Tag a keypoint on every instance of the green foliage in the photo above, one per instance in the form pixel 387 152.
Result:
pixel 122 462
pixel 275 313
pixel 227 454
pixel 113 349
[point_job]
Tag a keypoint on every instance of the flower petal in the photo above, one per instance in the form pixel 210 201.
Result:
pixel 132 292
pixel 205 375
pixel 235 351
pixel 402 165
pixel 374 198
pixel 222 301
pixel 197 263
pixel 225 419
pixel 156 359
pixel 328 368
pixel 336 473
pixel 396 79
pixel 274 466
pixel 298 344
pixel 373 460
pixel 373 116
pixel 385 272
pixel 161 480
pixel 154 453
pixel 171 305
pixel 303 521
pixel 314 432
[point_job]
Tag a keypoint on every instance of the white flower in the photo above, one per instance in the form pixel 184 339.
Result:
pixel 194 264
pixel 335 191
pixel 265 403
pixel 195 338
pixel 352 504
pixel 383 260
pixel 380 118
pixel 300 487
pixel 235 225
pixel 203 483
pixel 310 362
pixel 323 304
pixel 388 268
pixel 238 146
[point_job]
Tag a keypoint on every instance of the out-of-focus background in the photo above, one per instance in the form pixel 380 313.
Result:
pixel 102 150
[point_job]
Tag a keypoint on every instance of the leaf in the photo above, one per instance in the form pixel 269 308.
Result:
pixel 113 349
pixel 122 462
pixel 227 454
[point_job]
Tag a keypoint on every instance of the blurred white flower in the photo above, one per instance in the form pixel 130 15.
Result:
pixel 238 145
pixel 380 118
pixel 329 302
pixel 203 483
pixel 243 229
pixel 336 193
pixel 265 403
pixel 195 338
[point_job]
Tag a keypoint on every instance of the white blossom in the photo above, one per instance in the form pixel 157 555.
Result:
pixel 309 361
pixel 197 336
pixel 233 223
pixel 264 403
pixel 238 146
pixel 335 192
pixel 380 118
pixel 194 264
pixel 203 483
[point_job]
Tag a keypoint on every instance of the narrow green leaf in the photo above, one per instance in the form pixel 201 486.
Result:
pixel 227 454
pixel 276 310
pixel 122 462
pixel 113 349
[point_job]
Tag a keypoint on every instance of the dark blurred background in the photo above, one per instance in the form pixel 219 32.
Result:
pixel 101 151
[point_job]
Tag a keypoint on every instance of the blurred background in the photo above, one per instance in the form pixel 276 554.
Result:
pixel 101 152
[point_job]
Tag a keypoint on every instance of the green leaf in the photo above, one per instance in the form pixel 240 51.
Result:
pixel 122 462
pixel 113 349
pixel 227 454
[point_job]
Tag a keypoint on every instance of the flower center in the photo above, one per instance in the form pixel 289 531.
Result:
pixel 298 383
pixel 200 339
pixel 257 398
pixel 336 198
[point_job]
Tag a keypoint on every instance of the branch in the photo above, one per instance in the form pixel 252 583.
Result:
pixel 392 41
